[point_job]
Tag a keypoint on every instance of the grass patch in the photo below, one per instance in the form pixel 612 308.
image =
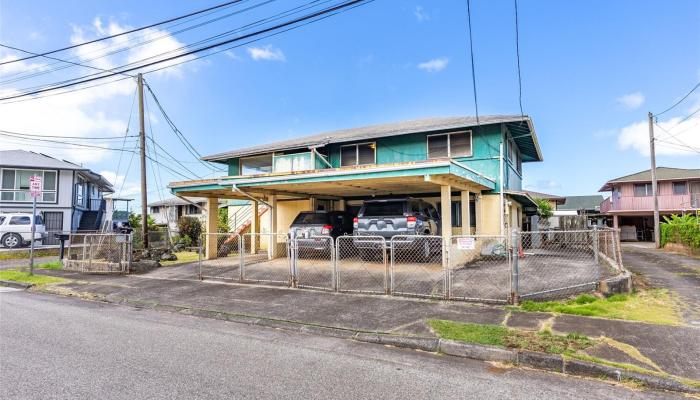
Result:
pixel 24 253
pixel 54 265
pixel 496 335
pixel 656 306
pixel 182 258
pixel 19 276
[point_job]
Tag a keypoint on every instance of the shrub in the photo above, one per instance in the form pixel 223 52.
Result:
pixel 681 229
pixel 190 227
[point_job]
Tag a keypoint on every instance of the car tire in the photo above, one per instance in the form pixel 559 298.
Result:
pixel 12 241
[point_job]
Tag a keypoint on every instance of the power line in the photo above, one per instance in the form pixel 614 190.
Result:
pixel 126 132
pixel 672 136
pixel 205 48
pixel 471 57
pixel 58 59
pixel 122 33
pixel 9 134
pixel 679 101
pixel 68 137
pixel 133 46
pixel 517 53
pixel 681 146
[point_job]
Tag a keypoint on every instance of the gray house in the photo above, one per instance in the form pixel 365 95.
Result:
pixel 72 198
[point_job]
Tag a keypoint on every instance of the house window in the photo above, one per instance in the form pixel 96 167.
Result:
pixel 642 189
pixel 680 188
pixel 458 144
pixel 15 185
pixel 192 209
pixel 155 210
pixel 256 165
pixel 80 192
pixel 358 154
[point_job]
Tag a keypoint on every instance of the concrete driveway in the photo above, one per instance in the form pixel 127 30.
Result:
pixel 675 272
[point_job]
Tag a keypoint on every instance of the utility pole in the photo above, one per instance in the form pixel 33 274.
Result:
pixel 654 187
pixel 142 145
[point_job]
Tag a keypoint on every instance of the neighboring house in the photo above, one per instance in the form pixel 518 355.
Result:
pixel 451 162
pixel 631 203
pixel 167 212
pixel 534 222
pixel 587 207
pixel 72 197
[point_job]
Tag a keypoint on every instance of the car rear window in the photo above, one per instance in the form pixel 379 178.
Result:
pixel 311 218
pixel 388 208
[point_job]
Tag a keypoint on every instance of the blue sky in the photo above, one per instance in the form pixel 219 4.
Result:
pixel 591 70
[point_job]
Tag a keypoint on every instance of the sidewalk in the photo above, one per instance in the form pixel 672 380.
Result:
pixel 674 350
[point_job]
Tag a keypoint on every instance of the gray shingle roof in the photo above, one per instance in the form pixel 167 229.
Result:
pixel 177 201
pixel 385 130
pixel 575 203
pixel 662 174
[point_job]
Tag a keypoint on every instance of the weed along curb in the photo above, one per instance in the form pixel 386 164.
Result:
pixel 529 359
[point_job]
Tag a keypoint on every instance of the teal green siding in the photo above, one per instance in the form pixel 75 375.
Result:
pixel 233 167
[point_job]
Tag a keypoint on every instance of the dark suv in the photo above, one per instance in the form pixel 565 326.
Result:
pixel 393 217
pixel 319 223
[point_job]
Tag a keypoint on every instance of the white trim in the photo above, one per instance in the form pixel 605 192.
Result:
pixel 449 146
pixel 37 171
pixel 357 153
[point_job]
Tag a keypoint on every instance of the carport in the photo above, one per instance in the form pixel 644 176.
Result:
pixel 415 179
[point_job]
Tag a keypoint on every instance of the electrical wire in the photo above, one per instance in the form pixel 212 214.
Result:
pixel 679 101
pixel 126 133
pixel 123 33
pixel 30 135
pixel 198 50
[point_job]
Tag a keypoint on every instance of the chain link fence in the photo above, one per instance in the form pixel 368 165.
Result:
pixel 362 265
pixel 266 258
pixel 98 253
pixel 479 268
pixel 418 266
pixel 313 262
pixel 498 269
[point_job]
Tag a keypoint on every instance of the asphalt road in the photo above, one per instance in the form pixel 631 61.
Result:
pixel 59 348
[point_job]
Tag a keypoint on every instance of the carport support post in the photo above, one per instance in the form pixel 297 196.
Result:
pixel 446 228
pixel 254 228
pixel 464 211
pixel 272 245
pixel 515 269
pixel 212 226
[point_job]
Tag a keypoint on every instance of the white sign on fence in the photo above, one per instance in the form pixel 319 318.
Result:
pixel 466 243
pixel 35 186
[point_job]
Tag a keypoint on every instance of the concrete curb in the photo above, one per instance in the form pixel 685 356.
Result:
pixel 16 285
pixel 535 360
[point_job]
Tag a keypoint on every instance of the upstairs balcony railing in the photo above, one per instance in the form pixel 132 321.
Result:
pixel 646 203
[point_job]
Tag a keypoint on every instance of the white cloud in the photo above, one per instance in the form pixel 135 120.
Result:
pixel 434 65
pixel 93 112
pixel 542 185
pixel 682 138
pixel 631 101
pixel 420 14
pixel 267 53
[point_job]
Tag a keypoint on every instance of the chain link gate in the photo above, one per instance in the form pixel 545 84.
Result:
pixel 266 258
pixel 313 262
pixel 361 264
pixel 479 268
pixel 418 266
pixel 225 263
pixel 555 263
pixel 98 253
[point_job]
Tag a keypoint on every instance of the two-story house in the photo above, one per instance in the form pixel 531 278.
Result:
pixel 471 172
pixel 168 211
pixel 72 197
pixel 631 203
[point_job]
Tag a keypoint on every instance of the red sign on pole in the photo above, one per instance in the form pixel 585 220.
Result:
pixel 35 186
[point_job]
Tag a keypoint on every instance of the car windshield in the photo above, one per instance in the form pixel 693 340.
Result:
pixel 383 209
pixel 311 219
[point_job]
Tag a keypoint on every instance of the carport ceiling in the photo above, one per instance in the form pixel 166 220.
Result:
pixel 350 188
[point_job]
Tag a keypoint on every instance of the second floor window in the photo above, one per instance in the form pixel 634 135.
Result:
pixel 680 188
pixel 256 165
pixel 642 189
pixel 357 154
pixel 458 144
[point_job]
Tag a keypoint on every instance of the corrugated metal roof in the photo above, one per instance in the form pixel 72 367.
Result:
pixel 521 128
pixel 662 174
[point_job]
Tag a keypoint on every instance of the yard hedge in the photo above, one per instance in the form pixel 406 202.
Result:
pixel 681 229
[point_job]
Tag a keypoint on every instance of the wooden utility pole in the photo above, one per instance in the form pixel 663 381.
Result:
pixel 654 187
pixel 142 145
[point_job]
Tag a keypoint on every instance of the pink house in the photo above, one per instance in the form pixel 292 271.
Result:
pixel 632 206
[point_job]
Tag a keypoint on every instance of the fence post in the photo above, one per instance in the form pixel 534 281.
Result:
pixel 514 274
pixel 199 248
pixel 130 251
pixel 334 262
pixel 387 272
pixel 595 243
pixel 293 259
pixel 90 255
pixel 392 258
pixel 241 257
pixel 447 245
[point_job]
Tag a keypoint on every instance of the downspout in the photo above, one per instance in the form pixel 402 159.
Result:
pixel 502 184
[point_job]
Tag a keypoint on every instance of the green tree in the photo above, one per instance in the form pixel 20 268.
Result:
pixel 190 227
pixel 544 208
pixel 135 221
pixel 222 225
